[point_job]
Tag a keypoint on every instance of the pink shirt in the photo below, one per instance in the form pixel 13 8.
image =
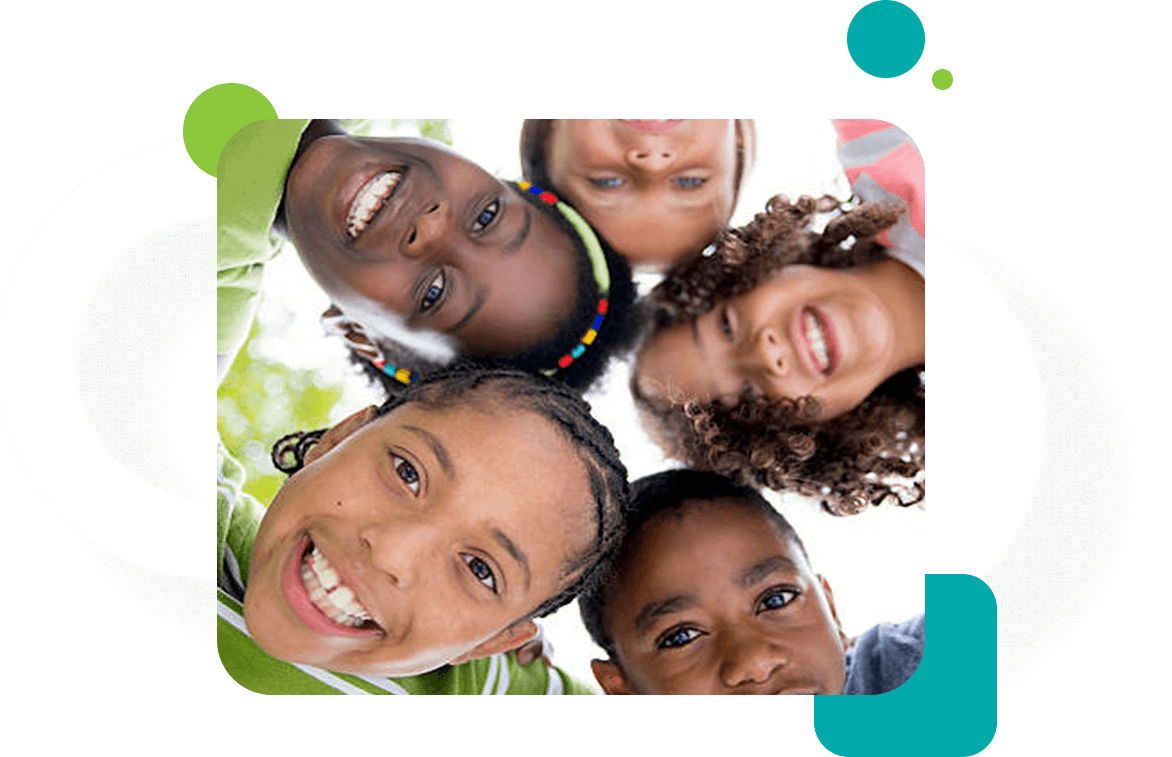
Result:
pixel 883 163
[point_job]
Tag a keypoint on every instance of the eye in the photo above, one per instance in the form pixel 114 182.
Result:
pixel 481 570
pixel 678 637
pixel 689 182
pixel 776 598
pixel 407 473
pixel 431 295
pixel 488 215
pixel 725 325
pixel 607 182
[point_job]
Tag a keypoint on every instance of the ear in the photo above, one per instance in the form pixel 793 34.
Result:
pixel 610 677
pixel 340 431
pixel 833 611
pixel 507 640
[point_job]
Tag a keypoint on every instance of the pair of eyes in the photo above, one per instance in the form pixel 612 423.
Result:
pixel 773 599
pixel 435 288
pixel 614 182
pixel 480 569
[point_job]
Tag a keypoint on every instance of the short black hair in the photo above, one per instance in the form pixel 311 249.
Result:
pixel 670 491
pixel 553 401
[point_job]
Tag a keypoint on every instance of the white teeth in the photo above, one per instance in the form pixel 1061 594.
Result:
pixel 369 201
pixel 327 593
pixel 817 341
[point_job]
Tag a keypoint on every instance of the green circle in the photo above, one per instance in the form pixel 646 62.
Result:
pixel 217 114
pixel 885 39
pixel 942 79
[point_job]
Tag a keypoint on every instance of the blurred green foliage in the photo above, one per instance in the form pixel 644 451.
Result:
pixel 261 400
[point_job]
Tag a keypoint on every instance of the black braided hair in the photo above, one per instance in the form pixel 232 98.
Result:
pixel 553 401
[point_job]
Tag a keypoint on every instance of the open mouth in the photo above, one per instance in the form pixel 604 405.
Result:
pixel 329 595
pixel 819 337
pixel 370 200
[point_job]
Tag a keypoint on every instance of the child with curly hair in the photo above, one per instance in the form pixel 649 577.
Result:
pixel 712 592
pixel 414 543
pixel 659 191
pixel 792 358
pixel 424 255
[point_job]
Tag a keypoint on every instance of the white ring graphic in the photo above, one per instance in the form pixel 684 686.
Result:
pixel 42 409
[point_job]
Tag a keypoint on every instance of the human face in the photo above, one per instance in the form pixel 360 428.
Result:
pixel 441 528
pixel 657 191
pixel 807 331
pixel 716 599
pixel 404 232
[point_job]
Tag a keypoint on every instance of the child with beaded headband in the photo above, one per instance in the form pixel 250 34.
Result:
pixel 419 274
pixel 369 354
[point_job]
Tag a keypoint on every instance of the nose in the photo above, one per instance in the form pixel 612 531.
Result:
pixel 651 157
pixel 769 350
pixel 399 549
pixel 750 660
pixel 427 230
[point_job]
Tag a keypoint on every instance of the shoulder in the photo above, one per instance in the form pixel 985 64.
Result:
pixel 885 657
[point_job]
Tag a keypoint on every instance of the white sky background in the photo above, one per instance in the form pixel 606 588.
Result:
pixel 875 562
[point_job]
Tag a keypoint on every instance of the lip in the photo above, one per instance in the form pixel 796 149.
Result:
pixel 832 352
pixel 299 601
pixel 348 192
pixel 652 126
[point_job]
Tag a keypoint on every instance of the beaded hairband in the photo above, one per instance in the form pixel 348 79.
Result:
pixel 358 341
pixel 597 263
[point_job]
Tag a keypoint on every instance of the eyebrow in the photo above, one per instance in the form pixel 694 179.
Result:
pixel 653 610
pixel 523 234
pixel 757 572
pixel 437 449
pixel 503 539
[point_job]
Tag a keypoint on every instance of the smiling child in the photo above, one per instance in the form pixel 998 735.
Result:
pixel 426 533
pixel 790 358
pixel 425 256
pixel 712 593
pixel 659 191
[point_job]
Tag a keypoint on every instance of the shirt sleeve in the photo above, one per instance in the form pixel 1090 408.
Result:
pixel 882 163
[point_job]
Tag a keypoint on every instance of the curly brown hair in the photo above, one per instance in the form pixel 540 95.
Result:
pixel 869 455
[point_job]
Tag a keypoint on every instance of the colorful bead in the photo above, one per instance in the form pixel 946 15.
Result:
pixel 548 198
pixel 577 351
pixel 589 338
pixel 403 375
pixel 565 361
pixel 602 305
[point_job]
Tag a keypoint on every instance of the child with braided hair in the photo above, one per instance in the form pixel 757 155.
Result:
pixel 425 256
pixel 414 543
pixel 793 359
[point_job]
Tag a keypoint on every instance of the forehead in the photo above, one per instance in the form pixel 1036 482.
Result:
pixel 702 544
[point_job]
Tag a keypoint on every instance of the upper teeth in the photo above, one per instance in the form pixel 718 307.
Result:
pixel 817 341
pixel 328 593
pixel 369 200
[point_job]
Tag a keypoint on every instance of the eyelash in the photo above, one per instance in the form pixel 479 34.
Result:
pixel 493 210
pixel 488 580
pixel 438 285
pixel 406 471
pixel 608 182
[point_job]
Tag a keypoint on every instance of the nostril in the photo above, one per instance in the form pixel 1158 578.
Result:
pixel 433 208
pixel 411 237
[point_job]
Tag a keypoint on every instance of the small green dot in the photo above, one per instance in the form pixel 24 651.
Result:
pixel 215 115
pixel 942 79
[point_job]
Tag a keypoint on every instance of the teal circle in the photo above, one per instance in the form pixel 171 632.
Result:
pixel 942 79
pixel 885 39
pixel 215 115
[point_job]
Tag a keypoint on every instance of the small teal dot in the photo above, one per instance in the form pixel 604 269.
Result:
pixel 885 39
